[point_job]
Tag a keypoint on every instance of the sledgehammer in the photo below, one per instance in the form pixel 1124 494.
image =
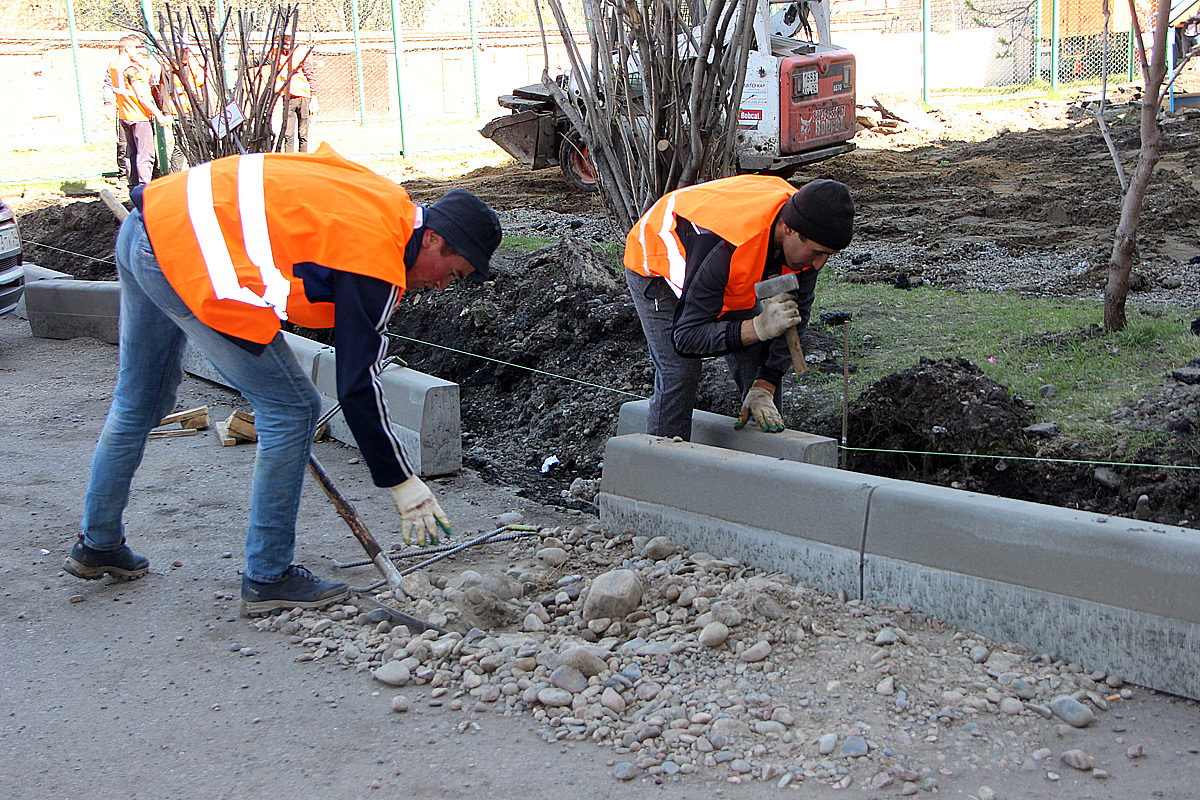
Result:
pixel 777 285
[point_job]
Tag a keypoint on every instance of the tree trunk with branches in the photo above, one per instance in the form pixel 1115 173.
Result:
pixel 656 102
pixel 1154 70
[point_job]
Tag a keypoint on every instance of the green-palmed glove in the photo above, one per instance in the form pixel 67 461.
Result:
pixel 421 517
pixel 760 404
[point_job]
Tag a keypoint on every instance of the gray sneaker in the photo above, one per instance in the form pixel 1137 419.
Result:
pixel 298 589
pixel 122 563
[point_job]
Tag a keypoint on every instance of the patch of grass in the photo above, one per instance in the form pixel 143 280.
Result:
pixel 1022 342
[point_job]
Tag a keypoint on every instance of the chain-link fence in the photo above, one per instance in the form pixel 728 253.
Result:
pixel 980 44
pixel 382 62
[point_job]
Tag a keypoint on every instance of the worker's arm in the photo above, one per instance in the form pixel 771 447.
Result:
pixel 699 328
pixel 362 307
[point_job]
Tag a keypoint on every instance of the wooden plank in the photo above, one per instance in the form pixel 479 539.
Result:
pixel 173 434
pixel 241 425
pixel 227 440
pixel 185 417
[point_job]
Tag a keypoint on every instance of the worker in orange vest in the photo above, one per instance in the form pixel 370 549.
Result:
pixel 130 74
pixel 294 81
pixel 218 257
pixel 691 263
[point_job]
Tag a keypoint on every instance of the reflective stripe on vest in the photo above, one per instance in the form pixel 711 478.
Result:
pixel 741 210
pixel 252 211
pixel 228 235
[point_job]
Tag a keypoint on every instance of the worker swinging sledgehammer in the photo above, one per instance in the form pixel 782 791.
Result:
pixel 218 256
pixel 693 262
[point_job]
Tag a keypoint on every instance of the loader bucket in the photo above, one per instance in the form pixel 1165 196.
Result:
pixel 528 136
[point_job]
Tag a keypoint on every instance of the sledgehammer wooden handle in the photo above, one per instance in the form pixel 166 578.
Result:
pixel 793 343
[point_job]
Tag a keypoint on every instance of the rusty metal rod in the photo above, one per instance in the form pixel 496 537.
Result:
pixel 427 551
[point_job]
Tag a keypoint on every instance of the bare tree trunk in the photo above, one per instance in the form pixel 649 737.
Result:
pixel 1154 69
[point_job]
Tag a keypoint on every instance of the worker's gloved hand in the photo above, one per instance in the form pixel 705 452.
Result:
pixel 421 517
pixel 779 313
pixel 760 404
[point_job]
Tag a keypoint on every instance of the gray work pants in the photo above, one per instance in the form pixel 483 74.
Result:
pixel 676 378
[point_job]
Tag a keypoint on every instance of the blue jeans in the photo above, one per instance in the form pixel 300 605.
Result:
pixel 155 327
pixel 676 378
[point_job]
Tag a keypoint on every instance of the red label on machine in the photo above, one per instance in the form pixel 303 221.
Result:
pixel 749 118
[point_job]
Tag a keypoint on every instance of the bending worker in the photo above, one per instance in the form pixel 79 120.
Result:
pixel 691 264
pixel 218 256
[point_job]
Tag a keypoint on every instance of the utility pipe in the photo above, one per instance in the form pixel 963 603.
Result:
pixel 78 76
pixel 398 50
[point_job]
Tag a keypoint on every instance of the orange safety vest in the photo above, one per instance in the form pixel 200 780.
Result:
pixel 197 78
pixel 741 210
pixel 228 234
pixel 298 86
pixel 129 105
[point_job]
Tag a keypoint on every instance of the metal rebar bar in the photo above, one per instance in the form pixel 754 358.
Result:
pixel 441 548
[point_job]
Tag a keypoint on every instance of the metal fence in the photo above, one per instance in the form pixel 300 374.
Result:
pixel 979 44
pixel 382 61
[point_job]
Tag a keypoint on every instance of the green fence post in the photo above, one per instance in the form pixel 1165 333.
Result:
pixel 362 97
pixel 1037 41
pixel 474 54
pixel 1054 47
pixel 398 48
pixel 1132 51
pixel 925 23
pixel 78 76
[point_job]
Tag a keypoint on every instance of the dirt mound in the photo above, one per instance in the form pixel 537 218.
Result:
pixel 936 407
pixel 76 237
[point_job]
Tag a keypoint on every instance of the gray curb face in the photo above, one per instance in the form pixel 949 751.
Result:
pixel 1112 593
pixel 66 309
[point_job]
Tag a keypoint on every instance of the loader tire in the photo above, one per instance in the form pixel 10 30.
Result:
pixel 576 164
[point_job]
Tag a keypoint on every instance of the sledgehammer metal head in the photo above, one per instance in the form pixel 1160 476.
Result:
pixel 773 286
pixel 777 285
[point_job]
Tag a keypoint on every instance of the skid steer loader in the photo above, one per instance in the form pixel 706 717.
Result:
pixel 797 104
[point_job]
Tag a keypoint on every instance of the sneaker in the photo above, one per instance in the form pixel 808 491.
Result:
pixel 122 563
pixel 298 589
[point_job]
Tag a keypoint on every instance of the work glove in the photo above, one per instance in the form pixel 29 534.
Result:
pixel 314 107
pixel 779 313
pixel 421 516
pixel 760 404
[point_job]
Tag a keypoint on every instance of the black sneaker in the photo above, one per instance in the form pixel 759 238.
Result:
pixel 298 589
pixel 122 563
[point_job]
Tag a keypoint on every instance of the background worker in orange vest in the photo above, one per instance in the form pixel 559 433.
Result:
pixel 294 82
pixel 217 257
pixel 191 82
pixel 691 264
pixel 130 75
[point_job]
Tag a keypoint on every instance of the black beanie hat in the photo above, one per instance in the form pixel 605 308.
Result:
pixel 822 211
pixel 469 226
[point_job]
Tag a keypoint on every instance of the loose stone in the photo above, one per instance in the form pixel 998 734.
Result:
pixel 1078 760
pixel 400 704
pixel 1071 711
pixel 553 697
pixel 756 652
pixel 393 673
pixel 854 746
pixel 714 634
pixel 826 744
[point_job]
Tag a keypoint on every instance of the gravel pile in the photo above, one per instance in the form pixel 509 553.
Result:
pixel 686 663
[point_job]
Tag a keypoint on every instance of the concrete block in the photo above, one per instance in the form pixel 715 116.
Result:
pixel 769 512
pixel 1137 565
pixel 66 309
pixel 424 411
pixel 306 352
pixel 716 430
pixel 1111 593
